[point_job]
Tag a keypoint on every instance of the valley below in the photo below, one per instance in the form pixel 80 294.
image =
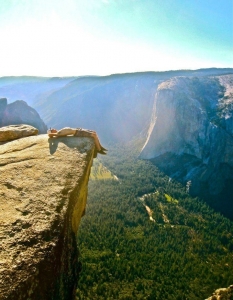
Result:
pixel 159 216
pixel 145 237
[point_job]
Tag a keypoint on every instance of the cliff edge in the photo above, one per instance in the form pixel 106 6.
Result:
pixel 43 191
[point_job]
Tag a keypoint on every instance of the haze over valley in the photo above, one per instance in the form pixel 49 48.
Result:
pixel 184 119
pixel 169 136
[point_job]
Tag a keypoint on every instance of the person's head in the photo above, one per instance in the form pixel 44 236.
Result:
pixel 53 130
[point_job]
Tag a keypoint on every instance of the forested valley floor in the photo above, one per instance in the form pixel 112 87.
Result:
pixel 144 237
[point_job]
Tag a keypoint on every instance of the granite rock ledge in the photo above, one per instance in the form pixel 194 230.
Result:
pixel 43 191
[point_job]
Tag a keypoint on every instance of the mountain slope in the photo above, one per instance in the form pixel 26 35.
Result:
pixel 30 88
pixel 19 112
pixel 117 108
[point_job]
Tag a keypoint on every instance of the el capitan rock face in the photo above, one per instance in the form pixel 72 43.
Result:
pixel 42 198
pixel 191 134
pixel 19 112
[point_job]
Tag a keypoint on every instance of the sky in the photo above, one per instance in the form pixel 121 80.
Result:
pixel 101 37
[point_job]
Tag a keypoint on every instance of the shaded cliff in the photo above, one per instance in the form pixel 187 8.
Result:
pixel 117 107
pixel 19 112
pixel 43 191
pixel 191 135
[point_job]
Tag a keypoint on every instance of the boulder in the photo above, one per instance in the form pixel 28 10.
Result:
pixel 13 132
pixel 43 191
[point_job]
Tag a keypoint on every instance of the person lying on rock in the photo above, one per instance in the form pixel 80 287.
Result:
pixel 80 133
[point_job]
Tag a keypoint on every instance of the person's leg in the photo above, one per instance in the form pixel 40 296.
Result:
pixel 97 142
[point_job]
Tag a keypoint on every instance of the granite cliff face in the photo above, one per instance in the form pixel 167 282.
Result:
pixel 19 112
pixel 191 133
pixel 43 191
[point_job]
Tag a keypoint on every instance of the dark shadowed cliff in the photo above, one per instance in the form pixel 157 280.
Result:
pixel 118 107
pixel 19 112
pixel 42 198
pixel 191 135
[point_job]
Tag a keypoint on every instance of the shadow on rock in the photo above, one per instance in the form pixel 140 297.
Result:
pixel 69 141
pixel 53 143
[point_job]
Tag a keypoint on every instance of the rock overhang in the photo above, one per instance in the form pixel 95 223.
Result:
pixel 43 191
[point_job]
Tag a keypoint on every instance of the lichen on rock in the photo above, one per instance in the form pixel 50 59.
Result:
pixel 43 191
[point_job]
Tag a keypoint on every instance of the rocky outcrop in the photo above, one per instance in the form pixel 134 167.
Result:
pixel 13 132
pixel 222 294
pixel 19 112
pixel 43 190
pixel 191 133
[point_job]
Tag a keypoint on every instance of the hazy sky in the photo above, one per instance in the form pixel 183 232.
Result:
pixel 98 37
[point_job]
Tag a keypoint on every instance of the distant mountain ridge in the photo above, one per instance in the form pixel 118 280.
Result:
pixel 117 106
pixel 28 88
pixel 193 107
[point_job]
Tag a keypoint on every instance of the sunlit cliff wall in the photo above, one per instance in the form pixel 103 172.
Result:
pixel 43 191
